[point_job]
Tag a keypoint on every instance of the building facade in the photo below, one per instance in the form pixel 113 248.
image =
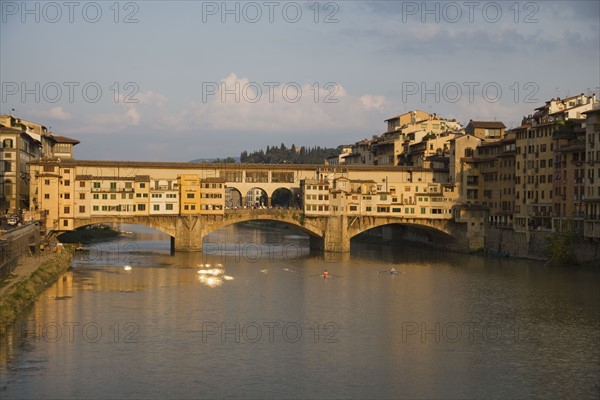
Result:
pixel 22 142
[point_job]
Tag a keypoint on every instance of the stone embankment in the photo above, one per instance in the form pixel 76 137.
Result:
pixel 28 280
pixel 27 271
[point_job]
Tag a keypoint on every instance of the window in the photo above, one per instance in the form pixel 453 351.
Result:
pixel 156 207
pixel 141 207
pixel 113 196
pixel 81 209
pixel 67 210
pixel 96 185
pixel 168 207
pixel 142 185
pixel 46 196
pixel 190 195
pixel 104 196
pixel 46 182
pixel 96 196
pixel 81 183
pixel 113 186
pixel 67 196
pixel 95 208
pixel 65 222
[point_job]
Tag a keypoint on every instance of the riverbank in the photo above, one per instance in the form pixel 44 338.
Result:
pixel 536 245
pixel 33 274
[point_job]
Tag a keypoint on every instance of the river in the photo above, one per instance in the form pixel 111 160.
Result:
pixel 259 321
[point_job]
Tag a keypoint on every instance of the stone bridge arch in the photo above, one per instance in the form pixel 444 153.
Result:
pixel 314 227
pixel 359 225
pixel 164 224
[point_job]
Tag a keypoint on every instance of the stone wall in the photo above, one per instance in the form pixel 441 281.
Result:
pixel 532 245
pixel 16 244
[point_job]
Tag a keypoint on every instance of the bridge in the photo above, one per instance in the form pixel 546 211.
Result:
pixel 327 233
pixel 188 201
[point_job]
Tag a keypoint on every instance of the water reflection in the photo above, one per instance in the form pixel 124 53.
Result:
pixel 261 323
pixel 213 277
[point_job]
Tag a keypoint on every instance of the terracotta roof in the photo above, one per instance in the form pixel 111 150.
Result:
pixel 64 139
pixel 487 124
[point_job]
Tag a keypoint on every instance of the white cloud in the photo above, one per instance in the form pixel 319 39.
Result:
pixel 56 113
pixel 373 102
pixel 239 104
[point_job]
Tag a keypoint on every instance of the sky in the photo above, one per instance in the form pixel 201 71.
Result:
pixel 176 81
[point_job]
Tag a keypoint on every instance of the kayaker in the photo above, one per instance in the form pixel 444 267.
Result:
pixel 325 274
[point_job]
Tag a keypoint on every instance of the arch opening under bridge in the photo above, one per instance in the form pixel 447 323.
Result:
pixel 438 234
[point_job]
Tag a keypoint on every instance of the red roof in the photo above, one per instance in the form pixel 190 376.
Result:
pixel 64 139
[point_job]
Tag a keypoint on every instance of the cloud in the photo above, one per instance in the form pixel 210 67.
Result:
pixel 55 113
pixel 240 104
pixel 373 102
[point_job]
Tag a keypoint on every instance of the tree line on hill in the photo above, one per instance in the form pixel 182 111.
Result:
pixel 294 155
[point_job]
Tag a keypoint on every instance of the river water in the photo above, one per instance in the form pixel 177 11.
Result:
pixel 132 321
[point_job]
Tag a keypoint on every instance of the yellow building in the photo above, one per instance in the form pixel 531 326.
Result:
pixel 486 130
pixel 408 193
pixel 212 196
pixel 316 196
pixel 189 193
pixel 407 129
pixel 496 161
pixel 535 157
pixel 569 176
pixel 591 228
pixel 23 141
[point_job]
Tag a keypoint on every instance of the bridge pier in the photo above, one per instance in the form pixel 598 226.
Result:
pixel 188 235
pixel 336 238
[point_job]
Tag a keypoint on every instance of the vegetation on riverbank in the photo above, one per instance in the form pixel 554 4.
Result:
pixel 18 297
pixel 559 246
pixel 88 234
